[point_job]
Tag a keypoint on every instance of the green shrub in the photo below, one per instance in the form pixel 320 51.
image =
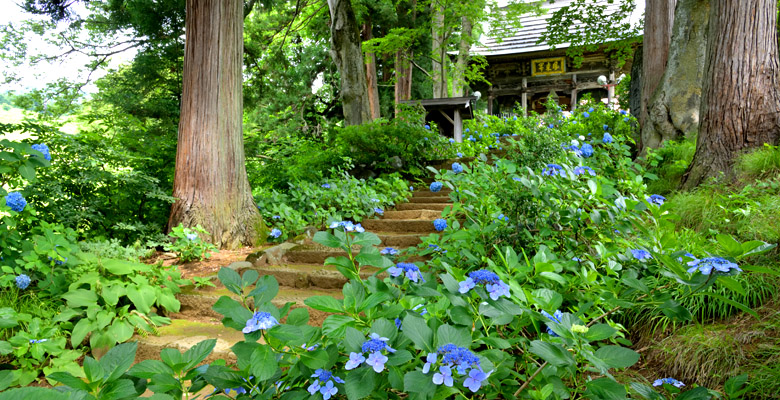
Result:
pixel 188 244
pixel 760 163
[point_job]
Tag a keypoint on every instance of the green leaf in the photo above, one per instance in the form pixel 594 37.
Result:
pixel 732 303
pixel 547 299
pixel 235 313
pixel 121 330
pixel 148 368
pixel 6 379
pixel 118 360
pixel 731 246
pixel 360 383
pixel 93 370
pixel 646 391
pixel 353 340
pixel 732 284
pixel 447 334
pixel 315 359
pixel 325 303
pixel 599 332
pixel 617 356
pixel 298 316
pixel 605 389
pixel 334 325
pixel 27 172
pixel 69 380
pixel 327 239
pixel 142 297
pixel 230 279
pixel 418 385
pixel 418 332
pixel 552 353
pixel 699 393
pixel 198 353
pixel 121 389
pixel 122 267
pixel 5 348
pixel 80 331
pixel 249 278
pixel 27 393
pixel 265 290
pixel 80 298
pixel 263 363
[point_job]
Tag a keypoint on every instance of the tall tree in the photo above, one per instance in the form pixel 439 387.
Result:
pixel 348 57
pixel 210 182
pixel 439 36
pixel 740 107
pixel 371 78
pixel 659 18
pixel 673 109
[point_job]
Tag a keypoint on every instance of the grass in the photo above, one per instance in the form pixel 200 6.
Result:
pixel 761 163
pixel 669 163
pixel 25 301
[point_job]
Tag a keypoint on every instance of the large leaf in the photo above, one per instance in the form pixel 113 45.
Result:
pixel 265 290
pixel 80 298
pixel 552 353
pixel 360 383
pixel 122 267
pixel 235 313
pixel 419 385
pixel 418 332
pixel 198 353
pixel 148 368
pixel 142 297
pixel 605 389
pixel 327 239
pixel 617 357
pixel 447 334
pixel 325 303
pixel 263 363
pixel 230 279
pixel 335 325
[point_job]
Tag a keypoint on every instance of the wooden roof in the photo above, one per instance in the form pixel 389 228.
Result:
pixel 524 40
pixel 464 104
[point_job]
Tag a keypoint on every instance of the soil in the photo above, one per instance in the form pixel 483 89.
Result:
pixel 209 266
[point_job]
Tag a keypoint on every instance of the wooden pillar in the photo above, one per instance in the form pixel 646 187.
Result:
pixel 524 101
pixel 458 127
pixel 573 93
pixel 490 102
pixel 611 87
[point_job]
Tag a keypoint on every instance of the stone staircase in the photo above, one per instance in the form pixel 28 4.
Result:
pixel 300 272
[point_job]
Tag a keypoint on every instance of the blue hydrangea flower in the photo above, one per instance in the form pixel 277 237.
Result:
pixel 656 199
pixel 590 110
pixel 389 251
pixel 551 126
pixel 492 283
pixel 348 226
pixel 452 140
pixel 503 218
pixel 260 320
pixel 553 170
pixel 467 130
pixel 355 359
pixel 238 390
pixel 625 119
pixel 427 127
pixel 374 347
pixel 411 188
pixel 276 217
pixel 641 254
pixel 586 150
pixel 440 224
pixel 688 255
pixel 459 154
pixel 668 381
pixel 325 380
pixel 275 233
pixel 33 341
pixel 43 149
pixel 706 265
pixel 22 281
pixel 430 359
pixel 475 379
pixel 606 127
pixel 191 236
pixel 411 271
pixel 584 169
pixel 623 112
pixel 326 185
pixel 436 248
pixel 16 201
pixel 379 211
pixel 309 348
pixel 585 114
pixel 435 186
pixel 443 376
pixel 555 317
pixel 607 138
pixel 377 361
pixel 457 168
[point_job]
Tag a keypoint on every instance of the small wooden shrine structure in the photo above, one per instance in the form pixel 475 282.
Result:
pixel 522 71
pixel 448 113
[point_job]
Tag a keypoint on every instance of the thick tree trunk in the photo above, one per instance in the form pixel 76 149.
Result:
pixel 740 107
pixel 459 75
pixel 403 76
pixel 210 181
pixel 438 52
pixel 659 16
pixel 346 54
pixel 371 80
pixel 674 107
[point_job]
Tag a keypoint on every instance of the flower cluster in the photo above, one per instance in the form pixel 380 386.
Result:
pixel 640 254
pixel 457 168
pixel 22 281
pixel 435 186
pixel 411 271
pixel 191 236
pixel 16 201
pixel 552 170
pixel 389 251
pixel 348 226
pixel 493 284
pixel 502 218
pixel 668 381
pixel 440 224
pixel 373 347
pixel 275 233
pixel 458 361
pixel 706 265
pixel 43 149
pixel 326 185
pixel 379 211
pixel 436 248
pixel 33 341
pixel 555 317
pixel 260 320
pixel 607 138
pixel 324 384
pixel 586 150
pixel 656 199
pixel 584 169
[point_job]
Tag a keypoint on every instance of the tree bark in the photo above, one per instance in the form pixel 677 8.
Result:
pixel 740 107
pixel 438 52
pixel 371 79
pixel 659 17
pixel 348 57
pixel 403 76
pixel 459 75
pixel 635 90
pixel 673 110
pixel 210 181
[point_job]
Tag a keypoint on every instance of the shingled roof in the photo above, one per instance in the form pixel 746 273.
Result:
pixel 524 40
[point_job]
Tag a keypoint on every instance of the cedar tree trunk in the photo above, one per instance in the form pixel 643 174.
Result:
pixel 210 182
pixel 674 107
pixel 438 52
pixel 459 78
pixel 659 15
pixel 371 80
pixel 740 107
pixel 346 54
pixel 403 76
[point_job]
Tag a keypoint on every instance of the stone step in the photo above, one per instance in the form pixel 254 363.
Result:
pixel 399 240
pixel 317 276
pixel 399 225
pixel 182 334
pixel 430 199
pixel 422 206
pixel 319 256
pixel 444 193
pixel 428 215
